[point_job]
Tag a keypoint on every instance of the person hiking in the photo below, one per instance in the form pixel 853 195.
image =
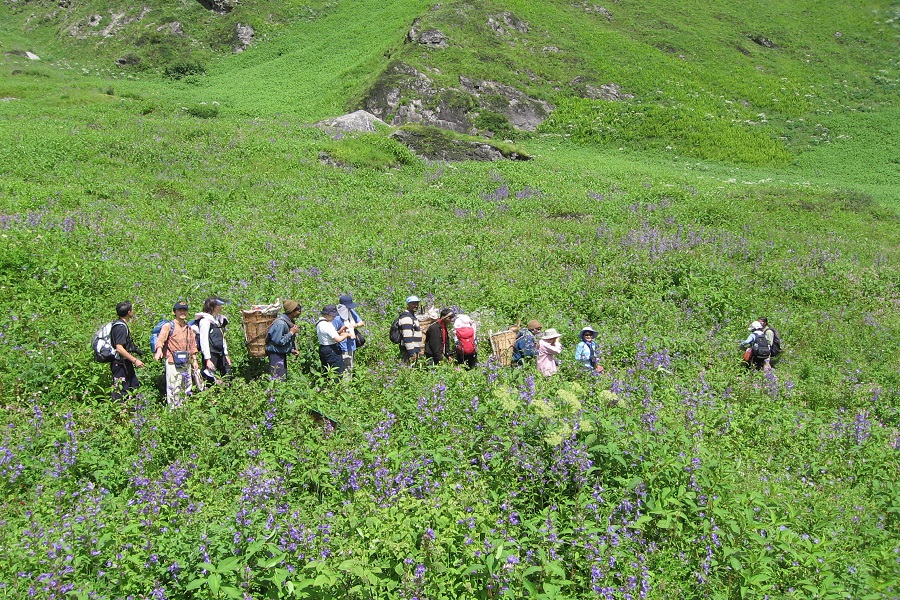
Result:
pixel 437 338
pixel 280 340
pixel 525 345
pixel 177 346
pixel 211 335
pixel 466 349
pixel 548 349
pixel 410 334
pixel 127 356
pixel 773 338
pixel 586 352
pixel 330 339
pixel 347 315
pixel 758 351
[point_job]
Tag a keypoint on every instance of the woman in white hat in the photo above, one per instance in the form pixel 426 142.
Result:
pixel 549 348
pixel 586 352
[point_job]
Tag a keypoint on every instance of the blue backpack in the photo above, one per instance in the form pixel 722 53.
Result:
pixel 154 335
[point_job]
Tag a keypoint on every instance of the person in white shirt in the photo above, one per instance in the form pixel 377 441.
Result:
pixel 330 339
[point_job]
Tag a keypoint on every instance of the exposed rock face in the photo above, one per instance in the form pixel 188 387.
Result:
pixel 597 10
pixel 219 6
pixel 763 41
pixel 405 95
pixel 432 38
pixel 174 28
pixel 355 121
pixel 606 91
pixel 243 34
pixel 433 146
pixel 23 54
pixel 523 111
pixel 505 23
pixel 89 26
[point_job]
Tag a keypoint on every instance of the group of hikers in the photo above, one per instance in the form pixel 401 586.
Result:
pixel 195 352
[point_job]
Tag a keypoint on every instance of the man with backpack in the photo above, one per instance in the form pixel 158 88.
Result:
pixel 127 355
pixel 177 346
pixel 525 345
pixel 405 331
pixel 772 337
pixel 759 350
pixel 280 340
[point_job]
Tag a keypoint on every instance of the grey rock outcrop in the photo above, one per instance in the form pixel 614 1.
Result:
pixel 432 38
pixel 607 91
pixel 243 35
pixel 219 6
pixel 433 146
pixel 505 23
pixel 523 111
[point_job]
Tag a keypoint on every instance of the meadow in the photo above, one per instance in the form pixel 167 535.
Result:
pixel 733 186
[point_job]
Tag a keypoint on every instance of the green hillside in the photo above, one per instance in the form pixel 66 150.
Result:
pixel 686 169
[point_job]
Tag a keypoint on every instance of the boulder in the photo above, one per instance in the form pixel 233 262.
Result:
pixel 763 41
pixel 355 121
pixel 174 28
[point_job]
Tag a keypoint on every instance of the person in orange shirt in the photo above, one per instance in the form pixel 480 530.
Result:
pixel 177 345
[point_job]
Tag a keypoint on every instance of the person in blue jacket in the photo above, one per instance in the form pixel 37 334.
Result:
pixel 280 340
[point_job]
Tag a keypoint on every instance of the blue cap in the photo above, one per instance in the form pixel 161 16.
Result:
pixel 412 299
pixel 347 300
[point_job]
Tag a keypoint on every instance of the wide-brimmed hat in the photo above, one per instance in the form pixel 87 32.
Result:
pixel 347 300
pixel 290 306
pixel 588 329
pixel 755 325
pixel 550 334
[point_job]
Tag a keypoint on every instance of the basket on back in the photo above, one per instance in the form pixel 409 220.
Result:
pixel 256 325
pixel 502 346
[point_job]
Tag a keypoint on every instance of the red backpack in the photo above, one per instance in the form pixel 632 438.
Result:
pixel 465 340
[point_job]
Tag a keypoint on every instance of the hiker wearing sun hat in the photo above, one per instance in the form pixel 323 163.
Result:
pixel 586 352
pixel 549 348
pixel 759 350
pixel 347 315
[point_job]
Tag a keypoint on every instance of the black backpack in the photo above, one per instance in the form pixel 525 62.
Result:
pixel 776 343
pixel 395 333
pixel 761 348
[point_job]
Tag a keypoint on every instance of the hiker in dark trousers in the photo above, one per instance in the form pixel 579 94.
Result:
pixel 127 357
pixel 411 343
pixel 330 339
pixel 773 338
pixel 280 340
pixel 437 339
pixel 758 348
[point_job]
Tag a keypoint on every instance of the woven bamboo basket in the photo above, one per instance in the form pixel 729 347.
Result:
pixel 424 323
pixel 502 346
pixel 256 325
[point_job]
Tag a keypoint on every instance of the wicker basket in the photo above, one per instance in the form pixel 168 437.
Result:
pixel 424 323
pixel 256 325
pixel 502 345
